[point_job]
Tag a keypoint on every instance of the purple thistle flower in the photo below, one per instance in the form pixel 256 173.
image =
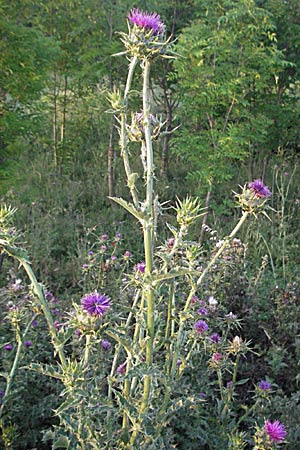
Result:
pixel 202 311
pixel 259 189
pixel 104 237
pixel 8 347
pixel 127 254
pixel 216 357
pixel 229 384
pixel 275 430
pixel 57 325
pixel 215 338
pixel 121 370
pixel 171 242
pixel 195 299
pixel 106 345
pixel 178 362
pixel 28 343
pixel 95 304
pixel 34 323
pixel 148 21
pixel 201 326
pixel 49 295
pixel 140 267
pixel 264 385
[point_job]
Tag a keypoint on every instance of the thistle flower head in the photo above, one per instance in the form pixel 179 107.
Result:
pixel 275 431
pixel 106 345
pixel 95 304
pixel 264 385
pixel 253 197
pixel 150 22
pixel 140 267
pixel 201 326
pixel 259 189
pixel 215 338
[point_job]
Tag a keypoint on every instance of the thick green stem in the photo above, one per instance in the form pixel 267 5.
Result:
pixel 148 234
pixel 115 360
pixel 123 132
pixel 148 243
pixel 46 311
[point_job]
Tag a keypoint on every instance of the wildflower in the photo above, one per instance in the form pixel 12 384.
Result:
pixel 212 301
pixel 121 370
pixel 236 345
pixel 103 248
pixel 150 22
pixel 104 237
pixel 259 189
pixel 195 299
pixel 106 345
pixel 178 362
pixel 95 304
pixel 216 357
pixel 127 255
pixel 85 266
pixel 118 237
pixel 57 324
pixel 215 338
pixel 90 253
pixel 34 323
pixel 171 242
pixel 202 395
pixel 275 430
pixel 229 384
pixel 28 343
pixel 264 385
pixel 113 258
pixel 8 347
pixel 201 326
pixel 48 295
pixel 202 311
pixel 230 316
pixel 140 267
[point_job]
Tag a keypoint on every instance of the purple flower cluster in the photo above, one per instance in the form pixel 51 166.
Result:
pixel 215 338
pixel 96 304
pixel 121 369
pixel 275 430
pixel 106 345
pixel 264 385
pixel 148 21
pixel 140 267
pixel 201 326
pixel 259 189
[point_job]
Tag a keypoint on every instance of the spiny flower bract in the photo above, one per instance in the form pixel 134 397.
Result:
pixel 95 304
pixel 147 21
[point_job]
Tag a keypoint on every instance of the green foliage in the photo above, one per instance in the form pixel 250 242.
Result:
pixel 229 59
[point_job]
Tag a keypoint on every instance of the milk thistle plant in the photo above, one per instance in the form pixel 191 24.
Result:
pixel 122 364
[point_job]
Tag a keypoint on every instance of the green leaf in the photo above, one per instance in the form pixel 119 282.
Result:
pixel 129 207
